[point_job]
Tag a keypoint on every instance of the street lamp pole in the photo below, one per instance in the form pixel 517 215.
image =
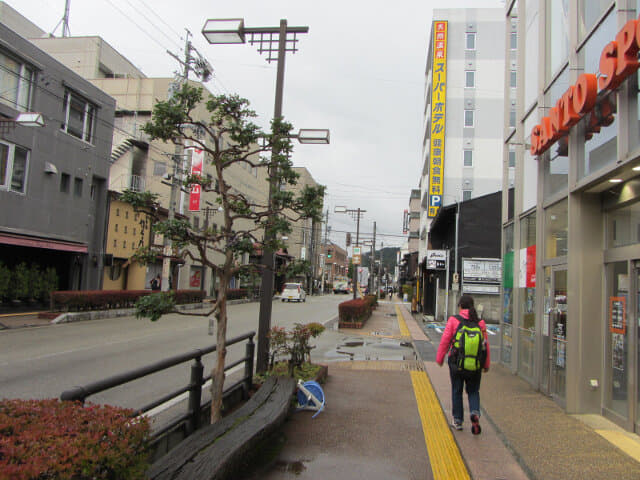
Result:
pixel 233 30
pixel 268 257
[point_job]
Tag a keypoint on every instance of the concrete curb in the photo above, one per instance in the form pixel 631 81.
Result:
pixel 68 317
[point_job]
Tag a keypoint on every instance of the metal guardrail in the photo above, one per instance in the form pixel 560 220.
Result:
pixel 194 387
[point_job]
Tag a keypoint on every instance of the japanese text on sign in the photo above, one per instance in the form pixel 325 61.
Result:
pixel 438 117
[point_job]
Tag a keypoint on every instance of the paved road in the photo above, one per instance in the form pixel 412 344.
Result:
pixel 44 361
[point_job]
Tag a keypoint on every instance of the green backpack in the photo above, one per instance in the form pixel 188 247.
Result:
pixel 469 347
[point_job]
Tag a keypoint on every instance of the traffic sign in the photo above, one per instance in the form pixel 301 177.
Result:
pixel 357 259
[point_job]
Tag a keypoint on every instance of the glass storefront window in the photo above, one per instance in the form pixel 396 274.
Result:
pixel 556 230
pixel 601 148
pixel 557 35
pixel 556 159
pixel 616 320
pixel 527 297
pixel 623 226
pixel 589 11
pixel 529 166
pixel 531 54
pixel 507 295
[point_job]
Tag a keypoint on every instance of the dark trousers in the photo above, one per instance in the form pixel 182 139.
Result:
pixel 458 383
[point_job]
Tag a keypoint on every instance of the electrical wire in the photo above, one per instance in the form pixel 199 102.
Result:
pixel 153 24
pixel 128 17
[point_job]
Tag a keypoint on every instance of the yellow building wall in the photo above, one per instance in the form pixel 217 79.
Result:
pixel 127 231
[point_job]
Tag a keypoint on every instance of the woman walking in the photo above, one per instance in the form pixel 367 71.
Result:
pixel 460 377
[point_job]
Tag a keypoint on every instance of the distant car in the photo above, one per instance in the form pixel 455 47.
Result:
pixel 293 291
pixel 342 287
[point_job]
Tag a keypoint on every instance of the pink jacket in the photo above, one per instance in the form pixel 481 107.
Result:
pixel 450 332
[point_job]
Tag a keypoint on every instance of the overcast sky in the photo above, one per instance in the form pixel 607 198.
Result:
pixel 359 72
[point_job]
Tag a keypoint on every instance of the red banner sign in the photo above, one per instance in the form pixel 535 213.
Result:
pixel 197 159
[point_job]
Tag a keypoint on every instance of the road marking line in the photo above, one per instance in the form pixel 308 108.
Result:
pixel 404 330
pixel 444 455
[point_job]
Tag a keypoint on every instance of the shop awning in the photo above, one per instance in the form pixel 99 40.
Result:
pixel 34 242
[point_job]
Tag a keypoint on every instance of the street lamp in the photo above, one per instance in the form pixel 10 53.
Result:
pixel 275 42
pixel 355 214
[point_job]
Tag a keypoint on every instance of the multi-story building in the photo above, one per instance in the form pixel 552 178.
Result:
pixel 304 242
pixel 570 244
pixel 464 93
pixel 53 179
pixel 336 265
pixel 414 221
pixel 140 164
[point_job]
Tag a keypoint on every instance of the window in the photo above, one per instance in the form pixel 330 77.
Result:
pixel 466 195
pixel 513 79
pixel 116 227
pixel 512 119
pixel 159 169
pixel 468 158
pixel 468 118
pixel 470 43
pixel 589 11
pixel 77 187
pixel 196 222
pixel 512 158
pixel 513 41
pixel 124 244
pixel 126 214
pixel 117 212
pixel 470 79
pixel 115 244
pixel 13 167
pixel 16 83
pixel 79 116
pixel 65 181
pixel 125 229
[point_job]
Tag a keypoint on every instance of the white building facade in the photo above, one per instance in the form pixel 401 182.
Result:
pixel 463 114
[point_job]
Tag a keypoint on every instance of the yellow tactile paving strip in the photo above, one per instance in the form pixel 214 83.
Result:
pixel 380 365
pixel 404 331
pixel 444 455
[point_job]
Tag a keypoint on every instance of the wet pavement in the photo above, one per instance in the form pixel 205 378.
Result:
pixel 387 417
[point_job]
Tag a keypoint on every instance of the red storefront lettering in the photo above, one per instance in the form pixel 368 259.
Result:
pixel 618 60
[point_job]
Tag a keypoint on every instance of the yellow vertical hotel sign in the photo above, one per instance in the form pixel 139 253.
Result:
pixel 438 110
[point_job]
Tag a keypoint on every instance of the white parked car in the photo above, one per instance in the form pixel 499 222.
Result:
pixel 293 291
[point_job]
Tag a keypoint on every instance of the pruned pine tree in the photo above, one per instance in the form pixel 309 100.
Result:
pixel 230 138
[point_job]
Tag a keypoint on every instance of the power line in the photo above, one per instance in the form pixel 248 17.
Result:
pixel 153 24
pixel 128 17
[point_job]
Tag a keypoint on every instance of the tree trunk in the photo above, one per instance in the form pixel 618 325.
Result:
pixel 217 374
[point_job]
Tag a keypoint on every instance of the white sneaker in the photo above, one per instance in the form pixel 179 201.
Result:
pixel 456 424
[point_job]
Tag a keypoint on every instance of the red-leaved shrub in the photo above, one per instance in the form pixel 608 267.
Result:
pixel 355 311
pixel 49 439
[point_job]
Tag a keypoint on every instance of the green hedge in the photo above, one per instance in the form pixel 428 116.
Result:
pixel 82 300
pixel 47 439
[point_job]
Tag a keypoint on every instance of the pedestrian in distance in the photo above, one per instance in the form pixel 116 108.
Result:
pixel 155 283
pixel 466 343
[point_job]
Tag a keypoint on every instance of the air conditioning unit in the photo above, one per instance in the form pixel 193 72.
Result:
pixel 108 260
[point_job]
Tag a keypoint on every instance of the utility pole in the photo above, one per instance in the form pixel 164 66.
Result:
pixel 374 286
pixel 313 247
pixel 177 160
pixel 324 249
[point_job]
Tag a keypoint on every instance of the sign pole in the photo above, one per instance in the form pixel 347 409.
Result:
pixel 446 295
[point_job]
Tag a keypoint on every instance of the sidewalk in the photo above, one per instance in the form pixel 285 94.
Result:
pixel 389 419
pixel 546 442
pixel 21 320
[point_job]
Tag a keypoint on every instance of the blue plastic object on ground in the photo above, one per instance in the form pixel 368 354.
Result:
pixel 310 396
